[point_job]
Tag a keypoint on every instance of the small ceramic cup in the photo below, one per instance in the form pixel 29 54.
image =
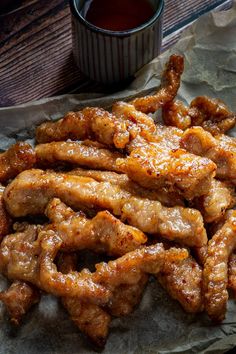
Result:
pixel 112 57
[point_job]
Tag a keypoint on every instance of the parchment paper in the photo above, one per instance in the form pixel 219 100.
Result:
pixel 159 325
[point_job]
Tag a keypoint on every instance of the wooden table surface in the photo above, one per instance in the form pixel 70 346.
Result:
pixel 36 58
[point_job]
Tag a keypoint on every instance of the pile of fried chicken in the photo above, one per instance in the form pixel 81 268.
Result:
pixel 156 200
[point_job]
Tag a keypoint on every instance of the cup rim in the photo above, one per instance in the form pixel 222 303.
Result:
pixel 96 29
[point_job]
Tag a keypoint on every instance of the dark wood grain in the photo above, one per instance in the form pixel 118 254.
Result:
pixel 36 52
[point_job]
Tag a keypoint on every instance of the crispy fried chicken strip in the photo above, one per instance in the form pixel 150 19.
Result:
pixel 137 122
pixel 155 166
pixel 97 124
pixel 215 273
pixel 31 191
pixel 18 255
pixel 103 233
pixel 91 123
pixel 232 273
pixel 123 181
pixel 168 91
pixel 220 149
pixel 5 220
pixel 20 258
pixel 144 213
pixel 183 281
pixel 212 114
pixel 126 297
pixel 214 204
pixel 72 284
pixel 18 299
pixel 176 114
pixel 129 268
pixel 91 319
pixel 76 154
pixel 17 158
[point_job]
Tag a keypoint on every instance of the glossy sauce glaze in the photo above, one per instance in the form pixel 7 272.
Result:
pixel 117 15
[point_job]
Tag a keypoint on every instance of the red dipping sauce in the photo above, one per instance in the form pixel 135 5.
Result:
pixel 118 15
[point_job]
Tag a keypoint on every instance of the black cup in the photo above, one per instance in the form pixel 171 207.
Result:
pixel 114 56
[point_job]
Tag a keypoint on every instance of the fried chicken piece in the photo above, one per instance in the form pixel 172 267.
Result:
pixel 176 114
pixel 74 284
pixel 183 281
pixel 215 273
pixel 91 123
pixel 123 181
pixel 91 319
pixel 214 204
pixel 138 122
pixel 144 213
pixel 104 233
pixel 152 165
pixel 5 220
pixel 77 154
pixel 232 273
pixel 169 88
pixel 114 129
pixel 31 191
pixel 126 297
pixel 18 299
pixel 220 149
pixel 17 158
pixel 129 268
pixel 212 114
pixel 20 257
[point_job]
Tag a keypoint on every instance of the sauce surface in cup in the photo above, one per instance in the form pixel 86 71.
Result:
pixel 117 15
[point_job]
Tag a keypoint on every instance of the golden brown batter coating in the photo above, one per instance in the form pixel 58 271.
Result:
pixel 123 181
pixel 91 319
pixel 220 149
pixel 18 299
pixel 72 284
pixel 137 122
pixel 215 273
pixel 153 165
pixel 176 114
pixel 18 255
pixel 144 213
pixel 232 273
pixel 126 297
pixel 212 114
pixel 214 204
pixel 169 88
pixel 20 258
pixel 5 220
pixel 17 158
pixel 90 123
pixel 104 233
pixel 183 281
pixel 75 153
pixel 31 191
pixel 129 268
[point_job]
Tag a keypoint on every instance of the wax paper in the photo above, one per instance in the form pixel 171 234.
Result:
pixel 159 325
